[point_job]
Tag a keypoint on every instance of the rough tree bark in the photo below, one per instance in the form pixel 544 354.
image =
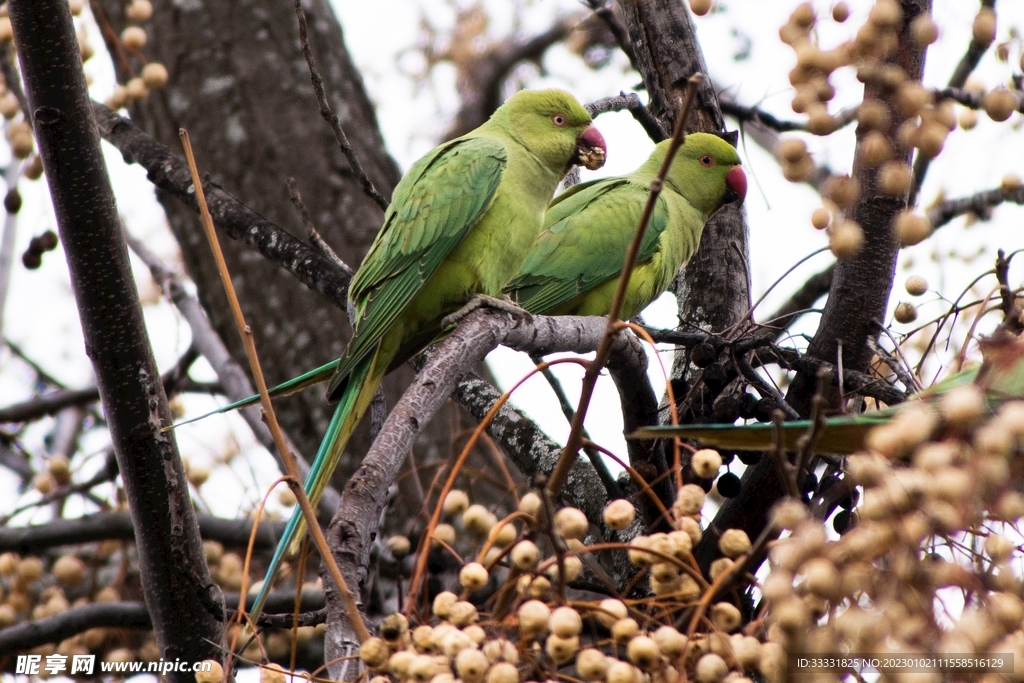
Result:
pixel 239 84
pixel 171 558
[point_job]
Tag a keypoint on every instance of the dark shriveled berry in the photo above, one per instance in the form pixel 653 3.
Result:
pixel 48 240
pixel 12 200
pixel 703 355
pixel 31 259
pixel 729 485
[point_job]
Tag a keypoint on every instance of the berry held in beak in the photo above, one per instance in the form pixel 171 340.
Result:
pixel 590 149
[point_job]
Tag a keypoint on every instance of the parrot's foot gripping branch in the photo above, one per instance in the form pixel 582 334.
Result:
pixel 505 303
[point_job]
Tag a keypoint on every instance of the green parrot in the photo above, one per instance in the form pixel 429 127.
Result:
pixel 460 223
pixel 574 266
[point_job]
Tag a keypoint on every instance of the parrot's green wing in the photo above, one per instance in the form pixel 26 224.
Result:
pixel 434 206
pixel 584 245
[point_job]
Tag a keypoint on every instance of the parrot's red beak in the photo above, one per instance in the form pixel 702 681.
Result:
pixel 590 149
pixel 736 185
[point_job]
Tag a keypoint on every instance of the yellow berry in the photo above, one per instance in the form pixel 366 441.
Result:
pixel 609 611
pixel 399 546
pixel 211 670
pixel 643 652
pixel 133 37
pixel 592 664
pixel 565 622
pixel 443 602
pixel 700 7
pixel 820 218
pixel 139 10
pixel 846 239
pixel 30 569
pixel 69 570
pixel 690 500
pixel 726 617
pixel 711 668
pixel 570 522
pixel 916 285
pixel 473 576
pixel 894 178
pixel 135 89
pixel 502 672
pixel 471 665
pixel 968 119
pixel 923 30
pixel 984 28
pixel 876 149
pixel 618 514
pixel 374 652
pixel 734 542
pixel 905 313
pixel 154 75
pixel 533 617
pixel 530 504
pixel 624 630
pixel 999 104
pixel 912 229
pixel 706 462
pixel 478 520
pixel 791 150
pixel 561 649
pixel 525 555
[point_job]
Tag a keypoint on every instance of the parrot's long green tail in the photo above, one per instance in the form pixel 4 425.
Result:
pixel 314 376
pixel 352 405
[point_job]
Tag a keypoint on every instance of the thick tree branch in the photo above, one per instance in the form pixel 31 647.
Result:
pixel 103 526
pixel 171 559
pixel 170 173
pixel 480 80
pixel 56 401
pixel 130 615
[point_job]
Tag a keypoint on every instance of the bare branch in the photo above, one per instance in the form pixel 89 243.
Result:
pixel 170 173
pixel 103 526
pixel 133 615
pixel 330 117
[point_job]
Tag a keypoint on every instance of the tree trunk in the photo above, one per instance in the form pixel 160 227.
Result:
pixel 172 563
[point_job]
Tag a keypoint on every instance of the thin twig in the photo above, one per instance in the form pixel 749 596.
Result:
pixel 311 232
pixel 330 117
pixel 351 607
pixel 610 485
pixel 764 387
pixel 569 453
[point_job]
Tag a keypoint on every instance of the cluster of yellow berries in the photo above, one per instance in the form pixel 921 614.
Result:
pixel 27 592
pixel 940 500
pixel 905 115
pixel 605 640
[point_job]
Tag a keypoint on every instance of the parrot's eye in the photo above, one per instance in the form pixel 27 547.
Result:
pixel 707 160
pixel 558 120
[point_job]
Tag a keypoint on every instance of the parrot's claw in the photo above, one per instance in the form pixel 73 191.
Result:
pixel 505 304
